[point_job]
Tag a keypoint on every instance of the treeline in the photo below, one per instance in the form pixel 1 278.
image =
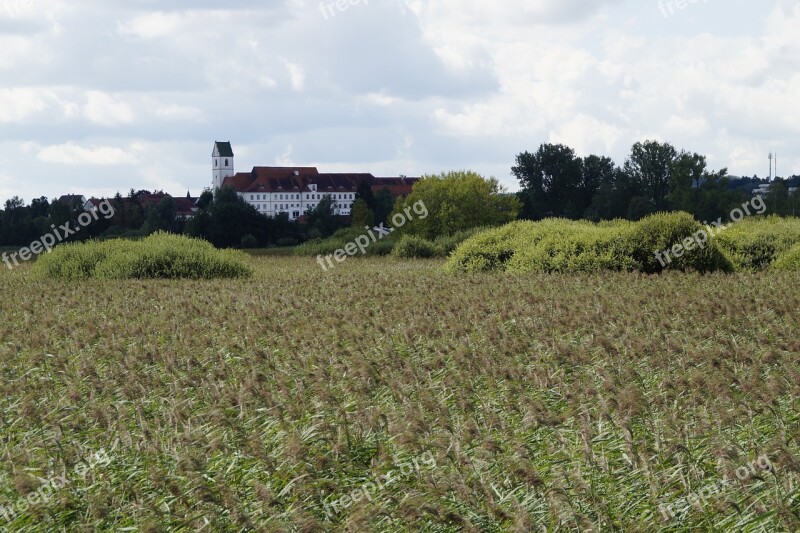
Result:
pixel 224 219
pixel 655 177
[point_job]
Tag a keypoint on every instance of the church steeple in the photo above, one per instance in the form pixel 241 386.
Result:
pixel 222 163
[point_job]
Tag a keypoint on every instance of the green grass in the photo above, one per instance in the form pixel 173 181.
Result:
pixel 549 402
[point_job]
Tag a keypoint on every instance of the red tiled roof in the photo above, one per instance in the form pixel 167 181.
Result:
pixel 73 201
pixel 279 179
pixel 185 206
pixel 146 200
pixel 397 186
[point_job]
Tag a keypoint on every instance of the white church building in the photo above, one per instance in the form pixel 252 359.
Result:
pixel 294 190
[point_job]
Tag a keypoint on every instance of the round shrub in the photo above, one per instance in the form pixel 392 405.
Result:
pixel 413 247
pixel 487 251
pixel 583 248
pixel 249 241
pixel 159 256
pixel 754 243
pixel 788 261
pixel 662 232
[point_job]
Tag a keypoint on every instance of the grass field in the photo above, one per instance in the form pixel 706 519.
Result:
pixel 441 402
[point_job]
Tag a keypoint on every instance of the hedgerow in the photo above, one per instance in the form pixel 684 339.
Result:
pixel 160 255
pixel 754 243
pixel 789 261
pixel 558 245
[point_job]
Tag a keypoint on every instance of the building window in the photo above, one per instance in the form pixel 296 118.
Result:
pixel 226 162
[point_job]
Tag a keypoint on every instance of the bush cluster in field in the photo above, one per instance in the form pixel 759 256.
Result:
pixel 558 245
pixel 160 255
pixel 548 402
pixel 395 244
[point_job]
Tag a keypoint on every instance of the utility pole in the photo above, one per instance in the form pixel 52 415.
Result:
pixel 770 167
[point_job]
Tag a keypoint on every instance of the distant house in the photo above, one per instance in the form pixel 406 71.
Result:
pixel 76 202
pixel 185 207
pixel 762 189
pixel 294 190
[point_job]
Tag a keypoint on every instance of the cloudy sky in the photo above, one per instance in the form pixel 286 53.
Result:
pixel 99 96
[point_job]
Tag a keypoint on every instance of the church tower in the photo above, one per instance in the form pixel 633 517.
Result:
pixel 222 163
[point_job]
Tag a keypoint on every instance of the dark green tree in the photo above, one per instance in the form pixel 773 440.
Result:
pixel 231 219
pixel 364 192
pixel 383 205
pixel 361 215
pixel 650 166
pixel 161 216
pixel 321 217
pixel 551 181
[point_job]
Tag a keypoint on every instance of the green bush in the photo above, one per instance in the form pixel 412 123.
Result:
pixel 487 251
pixel 663 231
pixel 160 255
pixel 557 245
pixel 754 243
pixel 789 260
pixel 584 248
pixel 413 247
pixel 249 241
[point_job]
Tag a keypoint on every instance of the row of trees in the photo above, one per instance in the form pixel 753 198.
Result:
pixel 21 224
pixel 655 177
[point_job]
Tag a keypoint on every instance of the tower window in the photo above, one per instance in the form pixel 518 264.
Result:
pixel 226 162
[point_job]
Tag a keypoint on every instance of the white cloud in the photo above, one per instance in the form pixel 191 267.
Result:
pixel 296 74
pixel 72 154
pixel 151 25
pixel 107 110
pixel 18 105
pixel 180 113
pixel 285 159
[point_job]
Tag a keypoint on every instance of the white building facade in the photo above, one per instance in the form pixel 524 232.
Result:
pixel 295 190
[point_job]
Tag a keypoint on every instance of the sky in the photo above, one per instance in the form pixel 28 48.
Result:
pixel 98 97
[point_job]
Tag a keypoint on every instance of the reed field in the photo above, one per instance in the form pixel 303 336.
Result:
pixel 393 395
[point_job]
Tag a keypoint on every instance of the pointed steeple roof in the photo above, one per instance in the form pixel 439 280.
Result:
pixel 224 148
